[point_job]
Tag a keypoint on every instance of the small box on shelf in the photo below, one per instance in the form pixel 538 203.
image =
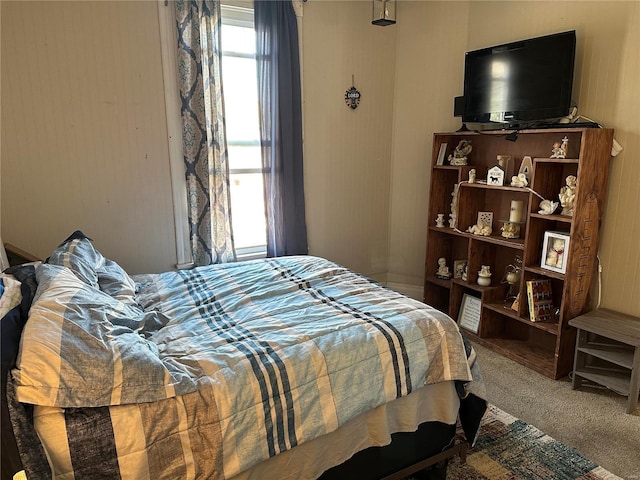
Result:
pixel 540 300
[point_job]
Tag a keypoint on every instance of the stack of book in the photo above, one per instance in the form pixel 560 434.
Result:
pixel 540 300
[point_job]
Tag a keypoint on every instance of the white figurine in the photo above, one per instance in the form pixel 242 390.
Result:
pixel 484 276
pixel 510 230
pixel 567 195
pixel 547 207
pixel 480 229
pixel 557 150
pixel 443 271
pixel 453 216
pixel 565 146
pixel 519 180
pixel 440 220
pixel 472 175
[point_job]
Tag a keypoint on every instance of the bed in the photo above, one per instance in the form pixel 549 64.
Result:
pixel 287 368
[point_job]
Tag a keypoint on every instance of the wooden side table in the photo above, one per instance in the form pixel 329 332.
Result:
pixel 608 352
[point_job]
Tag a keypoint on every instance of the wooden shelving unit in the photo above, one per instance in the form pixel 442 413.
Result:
pixel 545 347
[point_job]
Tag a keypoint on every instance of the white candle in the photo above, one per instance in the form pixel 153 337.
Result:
pixel 515 215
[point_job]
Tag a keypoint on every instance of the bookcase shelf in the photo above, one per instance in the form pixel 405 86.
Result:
pixel 543 346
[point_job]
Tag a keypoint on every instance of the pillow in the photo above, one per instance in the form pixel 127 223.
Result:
pixel 79 255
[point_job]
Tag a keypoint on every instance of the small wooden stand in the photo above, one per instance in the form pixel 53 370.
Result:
pixel 610 356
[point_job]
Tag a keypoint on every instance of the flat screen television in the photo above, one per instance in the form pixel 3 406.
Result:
pixel 520 84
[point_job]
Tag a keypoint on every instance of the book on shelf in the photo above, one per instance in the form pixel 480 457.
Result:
pixel 540 298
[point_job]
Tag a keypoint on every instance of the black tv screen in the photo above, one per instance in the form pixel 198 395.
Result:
pixel 520 83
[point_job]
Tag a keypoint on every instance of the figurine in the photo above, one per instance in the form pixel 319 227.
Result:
pixel 440 220
pixel 555 254
pixel 547 207
pixel 460 153
pixel 472 175
pixel 556 151
pixel 567 195
pixel 512 278
pixel 565 146
pixel 510 230
pixel 443 270
pixel 484 276
pixel 453 216
pixel 480 229
pixel 519 180
pixel 464 273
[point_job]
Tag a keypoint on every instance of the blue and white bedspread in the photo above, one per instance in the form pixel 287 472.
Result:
pixel 279 351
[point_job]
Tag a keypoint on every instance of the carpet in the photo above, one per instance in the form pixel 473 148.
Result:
pixel 510 449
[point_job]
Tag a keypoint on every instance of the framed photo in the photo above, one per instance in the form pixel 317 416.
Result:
pixel 458 268
pixel 469 316
pixel 441 154
pixel 555 251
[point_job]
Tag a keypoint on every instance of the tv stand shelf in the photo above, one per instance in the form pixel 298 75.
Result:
pixel 544 347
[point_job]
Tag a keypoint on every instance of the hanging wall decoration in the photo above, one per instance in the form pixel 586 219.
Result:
pixel 352 96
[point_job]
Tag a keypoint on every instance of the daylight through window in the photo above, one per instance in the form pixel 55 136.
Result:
pixel 240 89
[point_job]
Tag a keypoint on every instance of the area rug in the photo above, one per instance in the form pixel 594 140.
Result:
pixel 510 449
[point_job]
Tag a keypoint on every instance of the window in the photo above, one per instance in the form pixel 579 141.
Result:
pixel 240 89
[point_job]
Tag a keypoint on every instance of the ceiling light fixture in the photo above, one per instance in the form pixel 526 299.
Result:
pixel 384 12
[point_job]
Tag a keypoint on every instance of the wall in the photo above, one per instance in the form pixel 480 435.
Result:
pixel 427 80
pixel 347 152
pixel 605 86
pixel 84 130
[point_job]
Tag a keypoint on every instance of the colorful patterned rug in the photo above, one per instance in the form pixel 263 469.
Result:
pixel 510 449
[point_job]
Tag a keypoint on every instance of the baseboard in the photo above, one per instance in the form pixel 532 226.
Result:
pixel 413 291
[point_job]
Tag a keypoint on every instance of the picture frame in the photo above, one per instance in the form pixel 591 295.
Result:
pixel 555 250
pixel 458 268
pixel 441 154
pixel 469 315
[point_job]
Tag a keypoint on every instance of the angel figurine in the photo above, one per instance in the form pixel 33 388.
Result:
pixel 567 195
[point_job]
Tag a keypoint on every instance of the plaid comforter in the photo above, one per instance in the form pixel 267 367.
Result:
pixel 252 358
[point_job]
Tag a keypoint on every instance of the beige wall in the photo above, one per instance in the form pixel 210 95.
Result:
pixel 605 86
pixel 84 129
pixel 84 142
pixel 347 152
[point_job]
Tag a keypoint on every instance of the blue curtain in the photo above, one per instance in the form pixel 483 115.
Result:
pixel 281 126
pixel 205 146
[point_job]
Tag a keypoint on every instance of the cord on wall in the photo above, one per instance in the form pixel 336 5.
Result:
pixel 599 281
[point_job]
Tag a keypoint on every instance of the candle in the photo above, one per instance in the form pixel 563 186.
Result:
pixel 515 215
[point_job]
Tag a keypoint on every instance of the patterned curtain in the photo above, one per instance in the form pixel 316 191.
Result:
pixel 203 132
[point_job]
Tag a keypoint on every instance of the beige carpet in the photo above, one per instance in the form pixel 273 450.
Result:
pixel 591 420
